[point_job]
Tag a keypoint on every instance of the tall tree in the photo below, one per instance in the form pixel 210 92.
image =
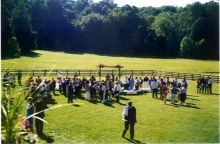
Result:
pixel 7 30
pixel 23 28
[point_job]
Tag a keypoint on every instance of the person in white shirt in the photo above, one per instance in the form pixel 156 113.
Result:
pixel 175 82
pixel 117 90
pixel 126 83
pixel 154 86
pixel 87 90
pixel 129 114
pixel 174 91
pixel 209 85
pixel 104 89
pixel 182 93
pixel 125 113
pixel 59 75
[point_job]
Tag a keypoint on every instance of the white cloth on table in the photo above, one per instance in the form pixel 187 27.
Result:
pixel 87 95
pixel 145 84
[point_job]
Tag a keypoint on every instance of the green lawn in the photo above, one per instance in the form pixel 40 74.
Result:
pixel 87 122
pixel 93 122
pixel 61 60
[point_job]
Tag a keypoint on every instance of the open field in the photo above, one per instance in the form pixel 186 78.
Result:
pixel 93 122
pixel 61 60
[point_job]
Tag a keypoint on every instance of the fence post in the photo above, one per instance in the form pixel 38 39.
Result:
pixel 33 73
pixel 79 72
pixel 192 76
pixel 67 72
pixel 90 73
pixel 178 75
pixel 132 72
pixel 141 72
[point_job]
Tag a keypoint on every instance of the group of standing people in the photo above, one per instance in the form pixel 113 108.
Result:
pixel 131 83
pixel 94 90
pixel 204 85
pixel 35 106
pixel 104 90
pixel 38 94
pixel 165 86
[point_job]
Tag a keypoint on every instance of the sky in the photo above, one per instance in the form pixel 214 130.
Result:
pixel 157 3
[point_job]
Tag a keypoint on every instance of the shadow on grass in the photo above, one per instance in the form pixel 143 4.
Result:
pixel 79 97
pixel 93 101
pixel 187 105
pixel 31 54
pixel 48 139
pixel 52 101
pixel 192 96
pixel 193 99
pixel 123 98
pixel 191 105
pixel 76 105
pixel 109 105
pixel 174 105
pixel 122 104
pixel 134 141
pixel 214 94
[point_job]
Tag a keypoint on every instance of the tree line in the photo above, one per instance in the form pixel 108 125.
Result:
pixel 104 28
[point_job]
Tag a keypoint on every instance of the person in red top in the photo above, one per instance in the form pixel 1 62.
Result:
pixel 165 91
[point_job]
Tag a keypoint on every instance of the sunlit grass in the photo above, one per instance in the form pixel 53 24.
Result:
pixel 61 60
pixel 87 122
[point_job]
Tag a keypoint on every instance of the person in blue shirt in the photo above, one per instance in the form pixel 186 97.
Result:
pixel 30 111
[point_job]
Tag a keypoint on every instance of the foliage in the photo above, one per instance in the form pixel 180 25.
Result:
pixel 13 123
pixel 11 110
pixel 13 47
pixel 105 28
pixel 185 46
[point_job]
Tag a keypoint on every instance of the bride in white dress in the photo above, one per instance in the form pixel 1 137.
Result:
pixel 87 90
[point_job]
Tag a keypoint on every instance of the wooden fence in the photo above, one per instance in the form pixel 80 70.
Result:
pixel 71 72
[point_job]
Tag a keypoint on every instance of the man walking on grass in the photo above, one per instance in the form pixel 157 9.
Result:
pixel 129 116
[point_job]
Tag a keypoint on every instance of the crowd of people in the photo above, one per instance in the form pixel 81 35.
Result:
pixel 105 90
pixel 163 86
pixel 111 87
pixel 39 91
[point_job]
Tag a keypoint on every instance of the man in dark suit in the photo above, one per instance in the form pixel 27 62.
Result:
pixel 40 105
pixel 130 119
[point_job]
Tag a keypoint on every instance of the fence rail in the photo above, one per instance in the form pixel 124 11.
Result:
pixel 189 76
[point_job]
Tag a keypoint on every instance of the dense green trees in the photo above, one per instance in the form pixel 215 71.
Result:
pixel 104 28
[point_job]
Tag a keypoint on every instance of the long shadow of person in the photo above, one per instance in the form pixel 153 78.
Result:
pixel 134 141
pixel 48 139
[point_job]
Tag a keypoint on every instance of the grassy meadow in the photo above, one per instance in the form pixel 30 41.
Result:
pixel 60 60
pixel 92 122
